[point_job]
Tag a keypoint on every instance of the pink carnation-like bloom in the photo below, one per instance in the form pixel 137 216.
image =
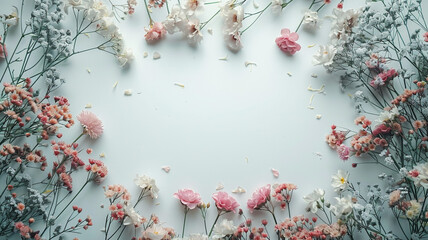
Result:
pixel 343 152
pixel 426 37
pixel 92 124
pixel 225 202
pixel 381 129
pixel 287 41
pixel 188 198
pixel 155 33
pixel 259 198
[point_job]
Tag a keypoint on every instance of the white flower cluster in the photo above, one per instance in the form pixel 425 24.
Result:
pixel 343 23
pixel 185 19
pixel 97 12
pixel 224 229
pixel 233 15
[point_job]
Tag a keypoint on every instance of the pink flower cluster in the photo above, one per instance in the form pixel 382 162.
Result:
pixel 259 198
pixel 117 191
pixel 225 202
pixel 256 233
pixel 51 115
pixel 69 151
pixel 188 198
pixel 287 42
pixel 117 212
pixel 24 153
pixel 300 227
pixel 156 32
pixel 335 138
pixel 98 169
pixel 283 193
pixel 381 71
pixel 26 232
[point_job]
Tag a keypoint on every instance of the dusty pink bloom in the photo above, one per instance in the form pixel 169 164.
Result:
pixel 343 152
pixel 394 197
pixel 92 124
pixel 188 197
pixel 155 33
pixel 259 198
pixel 3 51
pixel 225 202
pixel 426 37
pixel 287 41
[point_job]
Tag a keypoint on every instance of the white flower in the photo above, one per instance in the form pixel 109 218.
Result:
pixel 343 207
pixel 233 41
pixel 313 198
pixel 390 115
pixel 310 19
pixel 155 232
pixel 193 6
pixel 324 56
pixel 343 22
pixel 233 17
pixel 194 35
pixel 176 20
pixel 77 4
pixel 223 229
pixel 132 217
pixel 422 176
pixel 125 56
pixel 414 209
pixel 276 6
pixel 11 19
pixel 107 27
pixel 197 236
pixel 340 180
pixel 148 183
pixel 97 10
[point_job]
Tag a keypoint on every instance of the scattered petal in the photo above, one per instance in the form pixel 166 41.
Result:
pixel 102 205
pixel 289 74
pixel 320 90
pixel 318 154
pixel 318 116
pixel 220 186
pixel 146 54
pixel 275 172
pixel 314 75
pixel 88 70
pixel 223 58
pixel 311 46
pixel 210 31
pixel 166 169
pixel 156 55
pixel 128 92
pixel 102 155
pixel 179 84
pixel 256 5
pixel 246 159
pixel 239 190
pixel 103 230
pixel 247 63
pixel 115 84
pixel 88 105
pixel 310 102
pixel 86 34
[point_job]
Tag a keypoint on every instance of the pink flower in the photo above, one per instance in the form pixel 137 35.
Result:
pixel 92 124
pixel 224 202
pixel 259 198
pixel 3 51
pixel 426 37
pixel 287 41
pixel 343 152
pixel 188 198
pixel 381 129
pixel 155 33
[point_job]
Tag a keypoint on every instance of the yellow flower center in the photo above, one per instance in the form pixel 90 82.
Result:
pixel 342 180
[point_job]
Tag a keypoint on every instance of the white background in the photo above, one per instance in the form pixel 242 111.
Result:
pixel 230 124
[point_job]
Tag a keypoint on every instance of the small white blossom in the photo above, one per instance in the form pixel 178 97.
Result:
pixel 324 56
pixel 223 229
pixel 313 198
pixel 148 183
pixel 343 207
pixel 310 19
pixel 340 180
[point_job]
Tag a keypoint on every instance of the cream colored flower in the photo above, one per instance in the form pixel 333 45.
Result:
pixel 313 199
pixel 340 180
pixel 324 56
pixel 148 183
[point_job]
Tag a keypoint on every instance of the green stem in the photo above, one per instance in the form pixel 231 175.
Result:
pixel 216 219
pixel 186 210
